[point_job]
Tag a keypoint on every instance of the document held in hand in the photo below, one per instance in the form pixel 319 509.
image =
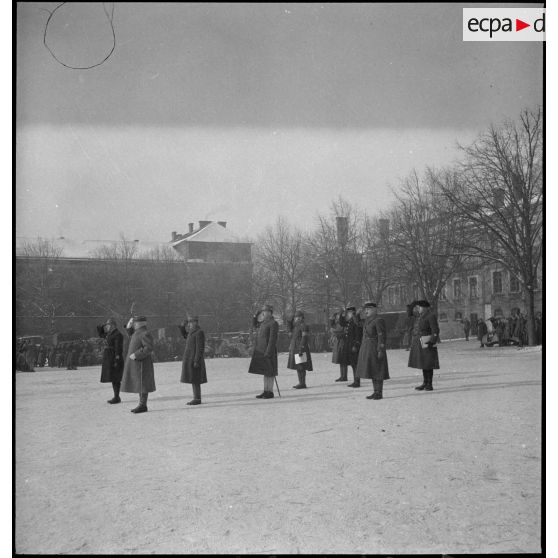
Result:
pixel 300 359
pixel 424 340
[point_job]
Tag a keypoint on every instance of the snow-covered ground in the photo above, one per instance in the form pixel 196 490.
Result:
pixel 322 470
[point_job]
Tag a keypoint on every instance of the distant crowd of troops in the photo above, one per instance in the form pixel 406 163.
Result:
pixel 503 331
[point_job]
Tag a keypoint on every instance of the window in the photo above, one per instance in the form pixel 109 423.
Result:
pixel 443 317
pixel 473 288
pixel 443 293
pixel 457 288
pixel 514 284
pixel 391 295
pixel 458 316
pixel 497 282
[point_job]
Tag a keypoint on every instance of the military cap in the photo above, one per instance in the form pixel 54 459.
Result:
pixel 350 309
pixel 423 303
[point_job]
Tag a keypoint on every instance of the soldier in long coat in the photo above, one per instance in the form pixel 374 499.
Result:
pixel 425 358
pixel 113 361
pixel 353 327
pixel 193 363
pixel 264 357
pixel 340 348
pixel 139 374
pixel 372 358
pixel 299 346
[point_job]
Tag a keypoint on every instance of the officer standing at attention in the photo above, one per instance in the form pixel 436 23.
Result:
pixel 264 357
pixel 193 363
pixel 372 358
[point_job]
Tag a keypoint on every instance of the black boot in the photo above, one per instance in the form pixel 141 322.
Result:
pixel 142 407
pixel 379 388
pixel 301 373
pixel 299 385
pixel 262 395
pixel 356 380
pixel 196 388
pixel 268 395
pixel 116 389
pixel 423 385
pixel 373 395
pixel 429 376
pixel 343 377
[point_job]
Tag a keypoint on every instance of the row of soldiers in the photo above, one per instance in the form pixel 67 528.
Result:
pixel 363 334
pixel 67 354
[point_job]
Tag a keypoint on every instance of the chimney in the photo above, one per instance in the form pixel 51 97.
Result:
pixel 342 230
pixel 190 227
pixel 204 224
pixel 498 198
pixel 174 236
pixel 384 228
pixel 223 224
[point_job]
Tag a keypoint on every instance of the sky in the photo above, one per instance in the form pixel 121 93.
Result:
pixel 244 112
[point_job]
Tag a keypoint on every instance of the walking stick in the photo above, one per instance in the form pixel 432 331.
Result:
pixel 277 386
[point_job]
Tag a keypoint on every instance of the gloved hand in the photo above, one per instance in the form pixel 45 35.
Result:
pixel 130 323
pixel 132 356
pixel 196 364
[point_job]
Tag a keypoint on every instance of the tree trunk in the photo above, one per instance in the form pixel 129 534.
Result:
pixel 531 335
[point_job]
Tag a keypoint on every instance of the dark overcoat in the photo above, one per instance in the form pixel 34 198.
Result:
pixel 373 339
pixel 299 344
pixel 264 357
pixel 113 359
pixel 139 374
pixel 354 338
pixel 340 347
pixel 193 363
pixel 427 358
pixel 482 330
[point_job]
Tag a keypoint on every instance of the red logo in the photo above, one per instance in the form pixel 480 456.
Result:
pixel 519 25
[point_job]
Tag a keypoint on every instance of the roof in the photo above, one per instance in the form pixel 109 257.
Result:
pixel 72 248
pixel 212 232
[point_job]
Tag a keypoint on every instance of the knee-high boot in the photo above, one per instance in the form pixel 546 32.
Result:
pixel 142 407
pixel 356 379
pixel 373 395
pixel 343 373
pixel 379 389
pixel 116 390
pixel 196 389
pixel 424 379
pixel 303 377
pixel 429 376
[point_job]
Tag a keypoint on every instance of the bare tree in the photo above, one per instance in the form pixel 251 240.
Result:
pixel 379 266
pixel 123 291
pixel 427 235
pixel 337 253
pixel 498 188
pixel 281 256
pixel 37 288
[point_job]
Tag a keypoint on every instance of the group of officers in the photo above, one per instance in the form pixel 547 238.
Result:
pixel 360 343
